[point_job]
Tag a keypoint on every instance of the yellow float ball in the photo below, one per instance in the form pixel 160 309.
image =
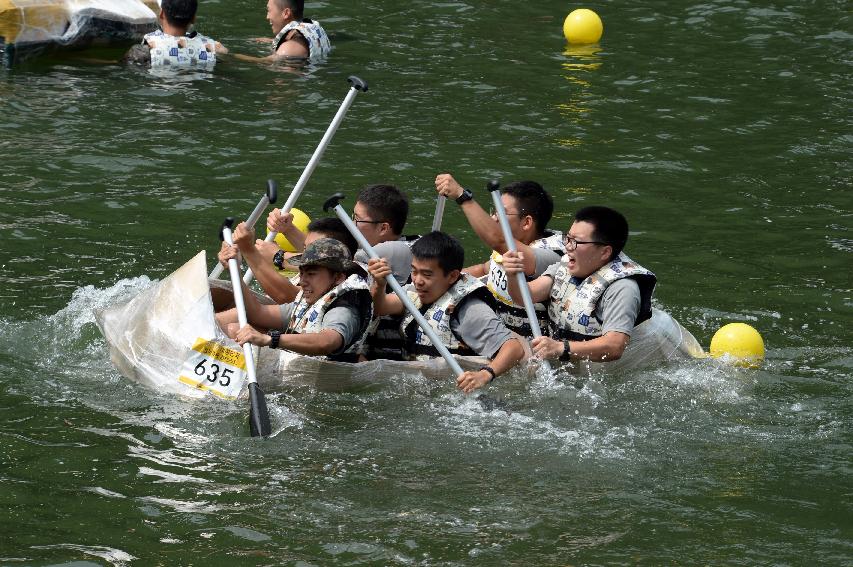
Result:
pixel 582 26
pixel 300 221
pixel 739 341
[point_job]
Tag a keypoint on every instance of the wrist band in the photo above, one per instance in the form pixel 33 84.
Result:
pixel 278 260
pixel 567 353
pixel 491 371
pixel 275 335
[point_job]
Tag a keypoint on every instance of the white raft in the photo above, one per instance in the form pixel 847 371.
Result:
pixel 155 337
pixel 29 28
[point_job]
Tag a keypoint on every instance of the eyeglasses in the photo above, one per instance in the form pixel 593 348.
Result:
pixel 357 220
pixel 572 243
pixel 521 213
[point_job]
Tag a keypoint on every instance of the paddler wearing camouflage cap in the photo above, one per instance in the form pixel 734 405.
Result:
pixel 329 315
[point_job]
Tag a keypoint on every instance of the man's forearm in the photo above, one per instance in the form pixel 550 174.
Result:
pixel 508 356
pixel 277 287
pixel 323 343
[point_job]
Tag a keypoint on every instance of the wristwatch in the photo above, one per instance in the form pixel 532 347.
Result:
pixel 464 197
pixel 278 260
pixel 567 353
pixel 490 370
pixel 275 335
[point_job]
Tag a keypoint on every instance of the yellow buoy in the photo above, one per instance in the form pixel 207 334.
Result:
pixel 582 26
pixel 300 221
pixel 740 342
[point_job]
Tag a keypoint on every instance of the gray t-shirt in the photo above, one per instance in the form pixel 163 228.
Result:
pixel 399 257
pixel 544 259
pixel 619 305
pixel 477 325
pixel 342 318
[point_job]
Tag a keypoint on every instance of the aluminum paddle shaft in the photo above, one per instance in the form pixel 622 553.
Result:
pixel 269 197
pixel 439 212
pixel 259 419
pixel 356 85
pixel 494 189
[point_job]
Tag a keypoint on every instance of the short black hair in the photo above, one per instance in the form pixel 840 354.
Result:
pixel 179 12
pixel 386 203
pixel 296 6
pixel 442 247
pixel 333 227
pixel 611 227
pixel 532 200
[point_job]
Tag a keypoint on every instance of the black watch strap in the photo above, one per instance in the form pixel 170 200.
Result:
pixel 567 353
pixel 275 335
pixel 491 371
pixel 278 260
pixel 464 197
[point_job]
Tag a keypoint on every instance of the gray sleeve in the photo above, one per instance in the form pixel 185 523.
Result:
pixel 286 312
pixel 619 306
pixel 477 325
pixel 544 260
pixel 343 319
pixel 399 257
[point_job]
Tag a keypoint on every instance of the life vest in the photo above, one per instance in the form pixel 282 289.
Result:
pixel 438 315
pixel 514 316
pixel 384 340
pixel 308 318
pixel 571 308
pixel 318 41
pixel 192 51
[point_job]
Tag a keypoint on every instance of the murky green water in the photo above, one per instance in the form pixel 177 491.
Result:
pixel 723 131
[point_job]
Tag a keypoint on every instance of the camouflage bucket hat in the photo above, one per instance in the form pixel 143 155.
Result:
pixel 326 252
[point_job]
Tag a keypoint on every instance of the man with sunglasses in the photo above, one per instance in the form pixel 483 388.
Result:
pixel 596 295
pixel 529 208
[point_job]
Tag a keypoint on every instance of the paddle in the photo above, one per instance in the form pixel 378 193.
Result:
pixel 259 417
pixel 333 202
pixel 356 85
pixel 494 188
pixel 269 197
pixel 439 212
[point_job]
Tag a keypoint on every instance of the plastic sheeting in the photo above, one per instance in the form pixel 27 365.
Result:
pixel 152 335
pixel 653 342
pixel 30 27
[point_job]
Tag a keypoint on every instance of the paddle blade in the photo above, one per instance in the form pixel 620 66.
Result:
pixel 259 416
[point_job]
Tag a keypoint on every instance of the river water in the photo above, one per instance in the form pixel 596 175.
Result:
pixel 722 129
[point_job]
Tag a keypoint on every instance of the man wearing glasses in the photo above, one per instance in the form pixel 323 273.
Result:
pixel 529 208
pixel 380 214
pixel 596 295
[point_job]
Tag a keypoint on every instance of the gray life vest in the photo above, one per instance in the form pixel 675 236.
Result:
pixel 438 315
pixel 571 307
pixel 318 41
pixel 384 340
pixel 192 51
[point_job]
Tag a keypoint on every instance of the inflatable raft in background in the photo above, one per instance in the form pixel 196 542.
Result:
pixel 167 338
pixel 29 28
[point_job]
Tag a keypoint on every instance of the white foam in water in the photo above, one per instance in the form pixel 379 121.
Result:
pixel 85 300
pixel 585 436
pixel 116 557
